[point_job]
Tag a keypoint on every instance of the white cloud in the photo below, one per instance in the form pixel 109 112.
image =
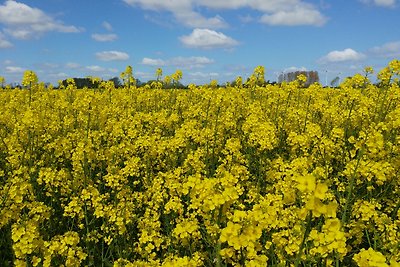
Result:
pixel 105 37
pixel 12 69
pixel 382 3
pixel 72 65
pixel 4 43
pixel 190 62
pixel 143 75
pixel 108 37
pixel 59 75
pixel 113 70
pixel 182 10
pixel 95 68
pixel 200 77
pixel 300 16
pixel 181 62
pixel 193 19
pixel 199 74
pixel 246 19
pixel 112 56
pixel 275 12
pixel 291 69
pixel 107 26
pixel 347 54
pixel 388 50
pixel 25 22
pixel 153 62
pixel 207 39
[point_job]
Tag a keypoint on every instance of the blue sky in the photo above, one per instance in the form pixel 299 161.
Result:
pixel 206 39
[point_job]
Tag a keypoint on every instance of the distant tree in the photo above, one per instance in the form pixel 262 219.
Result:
pixel 138 82
pixel 80 83
pixel 116 81
pixel 335 82
pixel 312 76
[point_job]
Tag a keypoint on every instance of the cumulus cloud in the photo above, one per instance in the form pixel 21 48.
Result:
pixel 246 19
pixel 7 62
pixel 291 69
pixel 388 50
pixel 193 19
pixel 199 74
pixel 25 22
pixel 4 43
pixel 183 11
pixel 181 62
pixel 153 62
pixel 200 77
pixel 282 12
pixel 112 56
pixel 143 75
pixel 107 26
pixel 14 70
pixel 381 3
pixel 72 65
pixel 347 54
pixel 105 37
pixel 95 68
pixel 190 62
pixel 58 75
pixel 207 39
pixel 108 37
pixel 300 16
pixel 113 70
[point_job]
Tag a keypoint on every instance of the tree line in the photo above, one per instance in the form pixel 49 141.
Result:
pixel 312 77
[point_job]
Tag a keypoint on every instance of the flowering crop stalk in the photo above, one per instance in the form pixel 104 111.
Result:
pixel 88 124
pixel 396 209
pixel 4 198
pixel 382 112
pixel 275 118
pixel 303 242
pixel 350 189
pixel 212 167
pixel 218 255
pixel 30 93
pixel 348 122
pixel 218 247
pixel 368 238
pixel 307 111
pixel 30 150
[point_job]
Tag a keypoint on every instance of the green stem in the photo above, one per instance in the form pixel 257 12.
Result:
pixel 305 119
pixel 218 262
pixel 368 239
pixel 303 242
pixel 30 93
pixel 350 190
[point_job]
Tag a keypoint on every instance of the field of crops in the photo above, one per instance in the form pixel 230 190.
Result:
pixel 279 175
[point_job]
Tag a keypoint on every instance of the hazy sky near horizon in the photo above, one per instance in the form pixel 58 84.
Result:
pixel 206 39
